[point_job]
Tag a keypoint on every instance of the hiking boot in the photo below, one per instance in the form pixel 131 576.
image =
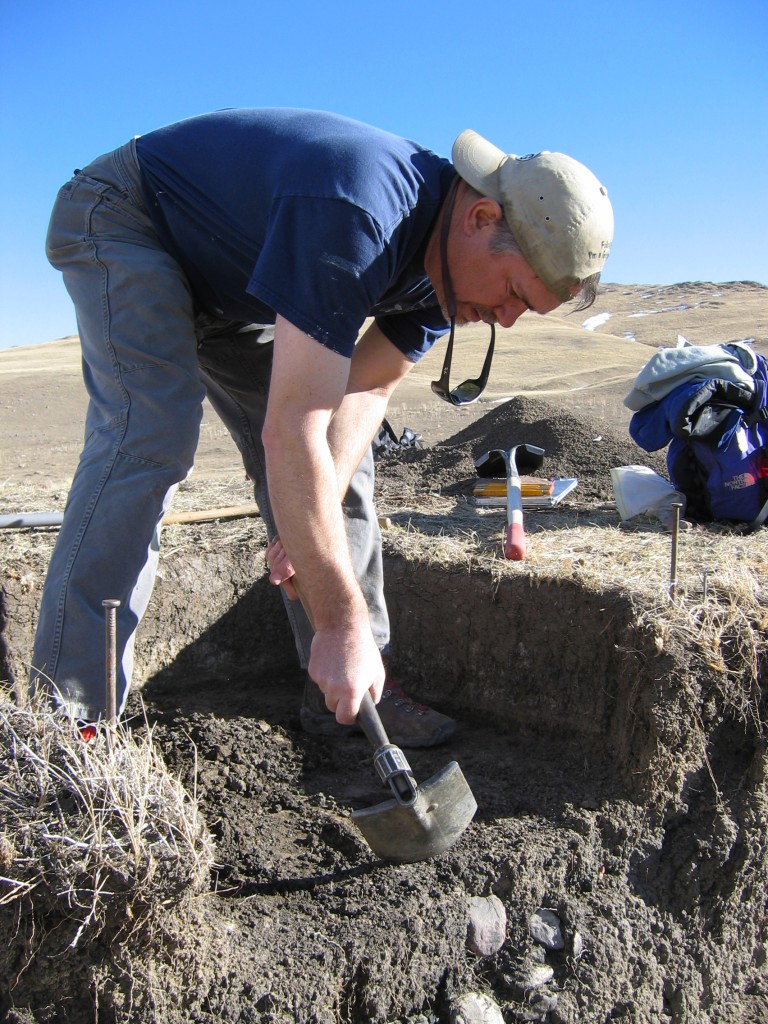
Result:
pixel 407 723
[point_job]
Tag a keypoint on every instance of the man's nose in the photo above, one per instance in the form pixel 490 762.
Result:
pixel 509 313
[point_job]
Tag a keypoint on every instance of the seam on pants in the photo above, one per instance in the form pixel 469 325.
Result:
pixel 109 463
pixel 244 437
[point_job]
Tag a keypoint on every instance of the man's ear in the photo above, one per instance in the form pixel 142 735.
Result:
pixel 482 213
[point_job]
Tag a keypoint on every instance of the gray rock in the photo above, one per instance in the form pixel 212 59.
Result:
pixel 545 927
pixel 538 1005
pixel 533 976
pixel 487 926
pixel 474 1008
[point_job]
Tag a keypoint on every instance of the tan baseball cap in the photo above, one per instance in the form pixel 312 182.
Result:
pixel 555 207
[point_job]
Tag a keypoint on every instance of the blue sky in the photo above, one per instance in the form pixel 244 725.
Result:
pixel 666 102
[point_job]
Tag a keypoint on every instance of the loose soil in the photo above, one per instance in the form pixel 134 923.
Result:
pixel 621 775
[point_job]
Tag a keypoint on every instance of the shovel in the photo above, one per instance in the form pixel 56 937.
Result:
pixel 521 457
pixel 418 822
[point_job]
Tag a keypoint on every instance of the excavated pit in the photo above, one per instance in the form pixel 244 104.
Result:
pixel 621 778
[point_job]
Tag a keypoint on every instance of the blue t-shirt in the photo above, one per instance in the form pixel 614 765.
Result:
pixel 313 216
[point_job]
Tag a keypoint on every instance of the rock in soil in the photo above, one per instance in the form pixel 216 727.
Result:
pixel 545 927
pixel 487 927
pixel 475 1008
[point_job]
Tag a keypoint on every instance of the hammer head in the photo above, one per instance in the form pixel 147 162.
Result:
pixel 528 457
pixel 442 810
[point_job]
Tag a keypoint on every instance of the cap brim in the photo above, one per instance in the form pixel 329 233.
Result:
pixel 478 162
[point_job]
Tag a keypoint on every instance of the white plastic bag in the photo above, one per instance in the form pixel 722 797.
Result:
pixel 639 490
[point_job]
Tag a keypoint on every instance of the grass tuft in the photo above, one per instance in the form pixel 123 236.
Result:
pixel 97 834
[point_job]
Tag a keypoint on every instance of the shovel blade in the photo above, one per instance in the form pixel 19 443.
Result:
pixel 443 809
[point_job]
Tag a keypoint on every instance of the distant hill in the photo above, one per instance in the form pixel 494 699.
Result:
pixel 582 361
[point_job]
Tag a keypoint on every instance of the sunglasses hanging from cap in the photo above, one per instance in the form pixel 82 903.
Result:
pixel 471 389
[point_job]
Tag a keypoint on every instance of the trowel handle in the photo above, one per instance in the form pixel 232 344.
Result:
pixel 367 717
pixel 369 721
pixel 389 760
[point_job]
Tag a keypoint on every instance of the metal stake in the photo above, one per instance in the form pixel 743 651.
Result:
pixel 110 606
pixel 676 505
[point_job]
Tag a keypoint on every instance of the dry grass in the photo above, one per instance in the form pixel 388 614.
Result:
pixel 194 494
pixel 96 834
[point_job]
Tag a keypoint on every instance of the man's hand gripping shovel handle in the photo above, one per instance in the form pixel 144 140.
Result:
pixel 391 764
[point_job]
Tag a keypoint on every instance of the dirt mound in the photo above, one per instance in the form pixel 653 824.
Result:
pixel 574 446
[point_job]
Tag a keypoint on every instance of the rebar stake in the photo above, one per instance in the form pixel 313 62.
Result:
pixel 676 505
pixel 110 606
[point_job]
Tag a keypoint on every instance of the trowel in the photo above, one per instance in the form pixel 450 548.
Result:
pixel 419 821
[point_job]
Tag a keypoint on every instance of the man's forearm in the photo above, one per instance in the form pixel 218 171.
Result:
pixel 351 432
pixel 376 368
pixel 314 440
pixel 344 660
pixel 304 492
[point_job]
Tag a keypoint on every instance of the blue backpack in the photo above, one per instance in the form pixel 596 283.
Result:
pixel 717 433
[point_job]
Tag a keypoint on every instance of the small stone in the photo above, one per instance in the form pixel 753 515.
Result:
pixel 577 945
pixel 474 1008
pixel 487 927
pixel 544 1002
pixel 544 926
pixel 534 976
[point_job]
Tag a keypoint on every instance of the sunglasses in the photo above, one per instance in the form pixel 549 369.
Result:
pixel 471 389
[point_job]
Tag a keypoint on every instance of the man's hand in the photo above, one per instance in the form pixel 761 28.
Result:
pixel 345 663
pixel 333 660
pixel 280 569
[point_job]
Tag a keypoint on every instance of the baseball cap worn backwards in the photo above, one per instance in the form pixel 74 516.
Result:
pixel 557 210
